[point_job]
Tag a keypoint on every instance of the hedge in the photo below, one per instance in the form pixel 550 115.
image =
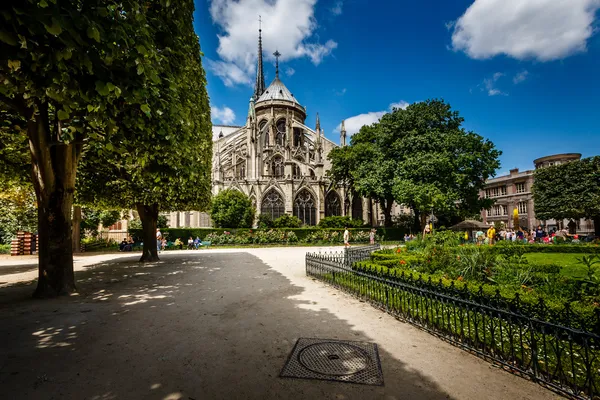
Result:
pixel 547 248
pixel 301 233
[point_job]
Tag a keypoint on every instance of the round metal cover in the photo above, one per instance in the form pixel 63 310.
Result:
pixel 334 358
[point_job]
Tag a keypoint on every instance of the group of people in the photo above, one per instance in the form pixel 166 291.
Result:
pixel 161 242
pixel 408 238
pixel 522 235
pixel 372 233
pixel 126 244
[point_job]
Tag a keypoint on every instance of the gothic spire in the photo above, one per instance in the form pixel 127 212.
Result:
pixel 343 134
pixel 277 54
pixel 318 127
pixel 260 76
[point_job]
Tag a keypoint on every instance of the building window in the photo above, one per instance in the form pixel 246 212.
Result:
pixel 522 207
pixel 495 191
pixel 240 170
pixel 272 204
pixel 304 207
pixel 498 210
pixel 520 187
pixel 262 130
pixel 277 168
pixel 297 173
pixel 333 206
pixel 280 137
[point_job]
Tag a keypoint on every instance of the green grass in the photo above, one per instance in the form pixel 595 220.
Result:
pixel 568 261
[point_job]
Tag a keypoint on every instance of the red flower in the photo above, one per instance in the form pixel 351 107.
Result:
pixel 460 278
pixel 402 262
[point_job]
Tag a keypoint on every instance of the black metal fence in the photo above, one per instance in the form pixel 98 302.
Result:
pixel 560 357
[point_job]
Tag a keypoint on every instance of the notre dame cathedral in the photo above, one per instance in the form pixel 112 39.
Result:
pixel 278 161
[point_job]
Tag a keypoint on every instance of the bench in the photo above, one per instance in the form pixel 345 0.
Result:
pixel 206 244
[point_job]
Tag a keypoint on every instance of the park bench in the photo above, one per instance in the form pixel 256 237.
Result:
pixel 206 244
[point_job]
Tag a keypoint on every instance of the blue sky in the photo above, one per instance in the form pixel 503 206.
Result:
pixel 523 73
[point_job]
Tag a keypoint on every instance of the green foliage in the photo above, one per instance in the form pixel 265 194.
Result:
pixel 570 190
pixel 4 248
pixel 421 157
pixel 340 222
pixel 18 212
pixel 91 218
pixel 232 209
pixel 287 221
pixel 136 223
pixel 265 221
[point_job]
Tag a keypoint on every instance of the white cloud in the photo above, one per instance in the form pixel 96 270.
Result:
pixel 225 115
pixel 520 77
pixel 289 71
pixel 341 92
pixel 538 29
pixel 337 8
pixel 288 26
pixel 353 124
pixel 489 85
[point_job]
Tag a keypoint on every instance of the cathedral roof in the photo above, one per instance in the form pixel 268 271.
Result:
pixel 277 91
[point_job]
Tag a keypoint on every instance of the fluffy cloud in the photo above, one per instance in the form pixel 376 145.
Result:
pixel 489 85
pixel 353 124
pixel 520 76
pixel 289 71
pixel 288 26
pixel 225 115
pixel 538 29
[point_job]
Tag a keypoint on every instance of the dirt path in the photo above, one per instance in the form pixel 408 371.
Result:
pixel 217 325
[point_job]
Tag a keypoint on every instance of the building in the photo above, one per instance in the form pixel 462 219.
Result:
pixel 513 191
pixel 278 161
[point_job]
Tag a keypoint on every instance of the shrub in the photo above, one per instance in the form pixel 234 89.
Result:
pixel 265 221
pixel 232 209
pixel 340 222
pixel 4 248
pixel 287 221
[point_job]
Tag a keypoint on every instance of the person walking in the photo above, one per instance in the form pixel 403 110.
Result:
pixel 158 239
pixel 346 237
pixel 372 236
pixel 491 234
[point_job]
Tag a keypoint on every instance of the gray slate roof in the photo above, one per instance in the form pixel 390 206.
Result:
pixel 277 91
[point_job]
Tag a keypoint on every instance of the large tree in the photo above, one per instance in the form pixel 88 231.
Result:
pixel 569 191
pixel 60 67
pixel 421 157
pixel 232 209
pixel 160 158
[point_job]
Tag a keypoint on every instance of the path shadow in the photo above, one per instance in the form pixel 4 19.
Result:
pixel 205 326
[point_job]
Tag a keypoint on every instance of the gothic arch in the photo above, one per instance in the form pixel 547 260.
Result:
pixel 333 204
pixel 273 203
pixel 357 207
pixel 277 168
pixel 305 206
pixel 280 131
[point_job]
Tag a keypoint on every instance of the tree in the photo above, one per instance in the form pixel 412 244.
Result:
pixel 160 158
pixel 287 221
pixel 18 212
pixel 439 167
pixel 92 218
pixel 570 191
pixel 60 64
pixel 232 209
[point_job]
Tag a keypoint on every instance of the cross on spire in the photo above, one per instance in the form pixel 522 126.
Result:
pixel 277 54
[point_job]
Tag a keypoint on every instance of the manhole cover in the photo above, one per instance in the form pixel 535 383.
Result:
pixel 334 360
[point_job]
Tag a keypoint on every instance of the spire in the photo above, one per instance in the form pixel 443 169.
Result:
pixel 318 127
pixel 343 134
pixel 260 76
pixel 277 54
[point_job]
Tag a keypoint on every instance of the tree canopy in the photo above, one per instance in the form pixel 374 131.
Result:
pixel 421 157
pixel 232 209
pixel 569 191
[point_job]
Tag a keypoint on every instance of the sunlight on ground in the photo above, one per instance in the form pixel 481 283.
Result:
pixel 46 337
pixel 140 298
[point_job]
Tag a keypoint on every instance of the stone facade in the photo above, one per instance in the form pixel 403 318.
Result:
pixel 514 191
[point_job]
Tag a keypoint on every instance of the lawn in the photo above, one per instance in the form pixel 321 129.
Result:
pixel 568 261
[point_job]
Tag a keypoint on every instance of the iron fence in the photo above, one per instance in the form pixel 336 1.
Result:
pixel 559 357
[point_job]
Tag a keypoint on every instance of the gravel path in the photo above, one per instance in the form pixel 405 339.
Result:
pixel 215 324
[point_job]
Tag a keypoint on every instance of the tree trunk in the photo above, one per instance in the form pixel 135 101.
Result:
pixel 596 225
pixel 54 168
pixel 387 213
pixel 416 226
pixel 149 218
pixel 76 229
pixel 422 221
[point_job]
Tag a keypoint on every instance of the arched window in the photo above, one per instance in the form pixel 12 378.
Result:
pixel 280 136
pixel 277 166
pixel 297 137
pixel 333 206
pixel 272 204
pixel 263 131
pixel 304 207
pixel 240 170
pixel 357 207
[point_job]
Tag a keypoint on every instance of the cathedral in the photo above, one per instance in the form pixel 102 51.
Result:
pixel 278 161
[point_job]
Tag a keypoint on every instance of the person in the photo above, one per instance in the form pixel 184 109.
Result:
pixel 406 237
pixel 158 240
pixel 346 237
pixel 539 233
pixel 491 234
pixel 190 243
pixel 372 236
pixel 178 243
pixel 479 237
pixel 123 245
pixel 466 237
pixel 163 244
pixel 427 230
pixel 197 243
